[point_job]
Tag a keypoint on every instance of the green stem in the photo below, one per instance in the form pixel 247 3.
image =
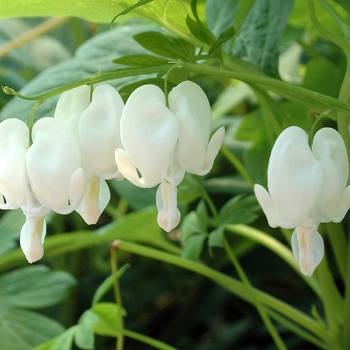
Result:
pixel 277 248
pixel 332 301
pixel 236 163
pixel 346 315
pixel 336 236
pixel 234 286
pixel 118 297
pixel 147 340
pixel 266 319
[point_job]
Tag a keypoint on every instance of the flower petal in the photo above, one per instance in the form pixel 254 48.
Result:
pixel 191 106
pixel 32 237
pixel 166 199
pixel 295 179
pixel 95 200
pixel 71 105
pixel 308 248
pixel 269 207
pixel 329 148
pixel 149 132
pixel 99 132
pixel 14 142
pixel 52 160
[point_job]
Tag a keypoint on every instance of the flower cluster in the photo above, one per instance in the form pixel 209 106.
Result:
pixel 307 186
pixel 163 143
pixel 63 163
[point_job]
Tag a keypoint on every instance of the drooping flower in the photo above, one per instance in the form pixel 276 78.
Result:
pixel 37 178
pixel 161 143
pixel 96 125
pixel 306 186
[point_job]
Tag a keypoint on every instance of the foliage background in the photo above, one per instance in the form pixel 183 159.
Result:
pixel 68 288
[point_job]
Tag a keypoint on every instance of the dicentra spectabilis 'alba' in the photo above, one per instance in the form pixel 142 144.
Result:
pixel 306 186
pixel 161 143
pixel 37 178
pixel 96 125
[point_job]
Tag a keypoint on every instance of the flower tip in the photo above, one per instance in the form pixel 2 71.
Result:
pixel 168 221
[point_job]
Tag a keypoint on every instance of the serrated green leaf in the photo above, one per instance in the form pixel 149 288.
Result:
pixel 165 45
pixel 240 210
pixel 141 60
pixel 224 36
pixel 24 330
pixel 34 287
pixel 259 37
pixel 193 247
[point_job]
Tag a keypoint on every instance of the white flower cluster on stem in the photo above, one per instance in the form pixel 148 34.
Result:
pixel 307 186
pixel 64 163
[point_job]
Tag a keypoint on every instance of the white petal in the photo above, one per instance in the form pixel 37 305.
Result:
pixel 212 151
pixel 166 199
pixel 149 132
pixel 71 105
pixel 95 200
pixel 269 207
pixel 32 237
pixel 14 142
pixel 191 106
pixel 295 178
pixel 99 132
pixel 308 248
pixel 329 148
pixel 53 163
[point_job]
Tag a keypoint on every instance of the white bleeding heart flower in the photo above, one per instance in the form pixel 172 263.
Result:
pixel 37 178
pixel 306 186
pixel 96 125
pixel 161 143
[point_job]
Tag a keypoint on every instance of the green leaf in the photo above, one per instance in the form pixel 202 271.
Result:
pixel 330 81
pixel 223 37
pixel 166 46
pixel 170 14
pixel 215 238
pixel 24 330
pixel 141 60
pixel 258 39
pixel 221 14
pixel 345 4
pixel 199 31
pixel 189 189
pixel 138 226
pixel 10 227
pixel 84 336
pixel 109 322
pixel 193 247
pixel 97 53
pixel 240 210
pixel 34 287
pixel 133 7
pixel 256 159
